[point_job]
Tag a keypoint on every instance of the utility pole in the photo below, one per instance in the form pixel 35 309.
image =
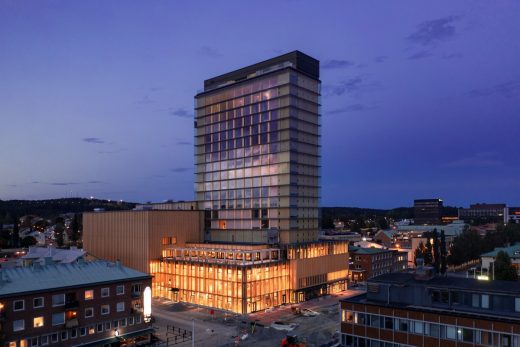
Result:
pixel 193 332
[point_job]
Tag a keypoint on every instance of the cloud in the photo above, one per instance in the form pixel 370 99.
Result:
pixel 211 52
pixel 420 55
pixel 336 64
pixel 155 89
pixel 94 182
pixel 181 112
pixel 63 183
pixel 381 59
pixel 509 89
pixel 180 169
pixel 184 143
pixel 431 32
pixel 347 86
pixel 482 159
pixel 93 140
pixel 35 182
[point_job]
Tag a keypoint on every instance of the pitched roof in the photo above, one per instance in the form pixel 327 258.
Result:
pixel 513 251
pixel 36 278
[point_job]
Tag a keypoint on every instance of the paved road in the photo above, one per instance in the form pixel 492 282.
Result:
pixel 219 329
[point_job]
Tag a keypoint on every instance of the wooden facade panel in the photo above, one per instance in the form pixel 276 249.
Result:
pixel 416 340
pixel 448 320
pixel 401 337
pixel 372 309
pixel 134 237
pixel 433 342
pixel 359 330
pixel 373 333
pixel 386 335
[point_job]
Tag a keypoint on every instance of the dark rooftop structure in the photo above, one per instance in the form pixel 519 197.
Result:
pixel 455 294
pixel 296 59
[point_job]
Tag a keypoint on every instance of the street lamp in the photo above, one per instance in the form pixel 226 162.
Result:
pixel 116 332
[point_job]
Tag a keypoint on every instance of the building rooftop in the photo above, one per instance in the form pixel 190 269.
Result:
pixel 57 254
pixel 56 276
pixel 363 250
pixel 453 229
pixel 512 251
pixel 469 284
pixel 296 59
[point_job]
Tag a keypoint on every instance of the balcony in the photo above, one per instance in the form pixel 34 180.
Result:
pixel 71 323
pixel 72 304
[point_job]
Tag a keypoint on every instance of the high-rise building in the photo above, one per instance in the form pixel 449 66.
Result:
pixel 257 158
pixel 257 151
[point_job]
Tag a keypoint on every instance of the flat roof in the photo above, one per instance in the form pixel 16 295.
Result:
pixel 20 280
pixel 462 283
pixel 301 62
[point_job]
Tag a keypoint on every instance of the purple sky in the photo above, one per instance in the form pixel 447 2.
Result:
pixel 420 99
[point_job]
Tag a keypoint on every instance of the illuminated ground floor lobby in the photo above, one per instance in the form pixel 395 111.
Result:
pixel 244 280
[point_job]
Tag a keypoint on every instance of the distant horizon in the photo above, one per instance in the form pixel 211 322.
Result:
pixel 321 206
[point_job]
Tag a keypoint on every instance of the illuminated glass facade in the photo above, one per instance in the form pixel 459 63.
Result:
pixel 257 152
pixel 257 158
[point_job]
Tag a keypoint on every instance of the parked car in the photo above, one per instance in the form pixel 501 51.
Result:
pixel 309 313
pixel 283 326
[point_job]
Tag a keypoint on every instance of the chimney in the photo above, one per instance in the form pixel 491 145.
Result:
pixel 423 273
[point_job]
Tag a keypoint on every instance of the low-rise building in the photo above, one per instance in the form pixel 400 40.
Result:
pixel 58 255
pixel 405 309
pixel 82 303
pixel 366 263
pixel 495 213
pixel 488 259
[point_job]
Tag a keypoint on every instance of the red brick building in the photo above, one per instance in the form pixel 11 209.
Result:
pixel 366 263
pixel 402 309
pixel 82 303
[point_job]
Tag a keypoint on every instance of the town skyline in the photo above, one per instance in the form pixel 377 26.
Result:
pixel 96 106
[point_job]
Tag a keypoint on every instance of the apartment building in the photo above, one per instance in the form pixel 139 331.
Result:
pixel 365 263
pixel 76 304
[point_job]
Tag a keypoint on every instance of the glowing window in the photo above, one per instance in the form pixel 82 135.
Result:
pixel 38 322
pixel 89 294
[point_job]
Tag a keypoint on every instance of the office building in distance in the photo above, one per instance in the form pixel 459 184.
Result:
pixel 405 309
pixel 427 211
pixel 82 303
pixel 485 213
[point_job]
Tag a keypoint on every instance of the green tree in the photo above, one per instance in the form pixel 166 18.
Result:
pixel 428 253
pixel 465 247
pixel 75 228
pixel 28 241
pixel 419 252
pixel 382 223
pixel 444 253
pixel 15 233
pixel 436 252
pixel 59 229
pixel 503 268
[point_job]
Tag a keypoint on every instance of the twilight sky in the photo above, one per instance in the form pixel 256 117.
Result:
pixel 420 99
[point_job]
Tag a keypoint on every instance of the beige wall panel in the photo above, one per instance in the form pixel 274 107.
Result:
pixel 135 237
